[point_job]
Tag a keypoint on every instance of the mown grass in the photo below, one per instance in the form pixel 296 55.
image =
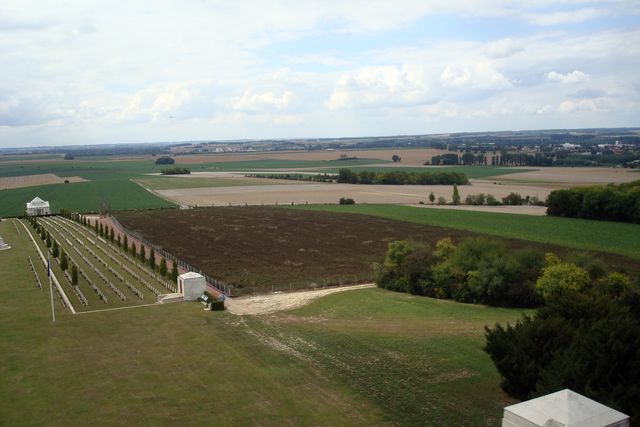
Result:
pixel 606 236
pixel 421 359
pixel 161 365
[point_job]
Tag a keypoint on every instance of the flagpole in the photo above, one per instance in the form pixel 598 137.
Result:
pixel 53 313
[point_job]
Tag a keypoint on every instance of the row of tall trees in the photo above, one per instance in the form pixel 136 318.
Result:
pixel 611 202
pixel 503 159
pixel 348 176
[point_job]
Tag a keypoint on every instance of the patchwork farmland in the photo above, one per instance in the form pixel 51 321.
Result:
pixel 107 276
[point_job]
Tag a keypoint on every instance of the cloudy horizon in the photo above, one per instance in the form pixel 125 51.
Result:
pixel 90 73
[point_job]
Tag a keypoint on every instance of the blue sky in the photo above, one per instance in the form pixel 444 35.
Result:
pixel 84 72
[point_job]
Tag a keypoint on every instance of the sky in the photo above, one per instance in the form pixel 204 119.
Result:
pixel 92 72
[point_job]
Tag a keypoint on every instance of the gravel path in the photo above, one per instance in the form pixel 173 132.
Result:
pixel 271 303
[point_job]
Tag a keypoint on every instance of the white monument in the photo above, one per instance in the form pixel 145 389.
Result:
pixel 191 285
pixel 564 408
pixel 38 207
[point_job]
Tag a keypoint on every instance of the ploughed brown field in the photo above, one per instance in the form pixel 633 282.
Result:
pixel 257 248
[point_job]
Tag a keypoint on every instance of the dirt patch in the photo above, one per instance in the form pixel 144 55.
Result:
pixel 271 303
pixel 414 157
pixel 265 249
pixel 33 180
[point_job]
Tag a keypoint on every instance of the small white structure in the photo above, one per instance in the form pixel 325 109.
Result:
pixel 38 207
pixel 3 245
pixel 564 408
pixel 191 285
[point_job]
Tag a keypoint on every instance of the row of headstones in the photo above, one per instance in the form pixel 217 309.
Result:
pixel 35 275
pixel 97 290
pixel 76 289
pixel 141 266
pixel 114 259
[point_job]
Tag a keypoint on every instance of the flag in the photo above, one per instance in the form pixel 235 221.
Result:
pixel 49 266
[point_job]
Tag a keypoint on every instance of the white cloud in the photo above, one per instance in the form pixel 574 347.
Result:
pixel 262 101
pixel 475 76
pixel 573 77
pixel 568 17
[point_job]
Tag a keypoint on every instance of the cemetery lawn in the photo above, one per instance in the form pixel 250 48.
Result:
pixel 420 359
pixel 169 364
pixel 367 357
pixel 603 236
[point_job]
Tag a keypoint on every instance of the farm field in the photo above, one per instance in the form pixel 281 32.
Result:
pixel 171 182
pixel 604 236
pixel 110 180
pixel 267 248
pixel 410 156
pixel 303 192
pixel 472 172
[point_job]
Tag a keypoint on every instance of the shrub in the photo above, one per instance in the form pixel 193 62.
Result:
pixel 585 342
pixel 513 199
pixel 165 161
pixel 344 201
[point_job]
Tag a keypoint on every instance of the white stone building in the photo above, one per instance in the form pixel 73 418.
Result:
pixel 38 207
pixel 191 285
pixel 563 408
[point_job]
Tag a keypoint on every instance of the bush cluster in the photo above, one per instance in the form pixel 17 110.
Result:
pixel 611 202
pixel 165 161
pixel 478 270
pixel 588 341
pixel 176 171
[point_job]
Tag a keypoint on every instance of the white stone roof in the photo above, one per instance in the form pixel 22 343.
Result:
pixel 190 275
pixel 567 408
pixel 38 203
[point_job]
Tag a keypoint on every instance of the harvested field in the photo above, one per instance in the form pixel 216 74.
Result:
pixel 34 180
pixel 573 176
pixel 265 249
pixel 415 156
pixel 316 193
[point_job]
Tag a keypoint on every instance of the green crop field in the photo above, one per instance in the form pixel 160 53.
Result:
pixel 111 180
pixel 368 357
pixel 472 172
pixel 615 237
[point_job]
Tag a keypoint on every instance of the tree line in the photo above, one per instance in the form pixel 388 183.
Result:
pixel 611 202
pixel 348 176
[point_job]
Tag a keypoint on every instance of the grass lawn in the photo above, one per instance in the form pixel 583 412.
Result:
pixel 606 236
pixel 421 359
pixel 368 357
pixel 161 365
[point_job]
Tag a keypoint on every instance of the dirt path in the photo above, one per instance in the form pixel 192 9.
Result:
pixel 265 304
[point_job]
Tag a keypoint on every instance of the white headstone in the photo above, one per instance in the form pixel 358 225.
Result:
pixel 3 245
